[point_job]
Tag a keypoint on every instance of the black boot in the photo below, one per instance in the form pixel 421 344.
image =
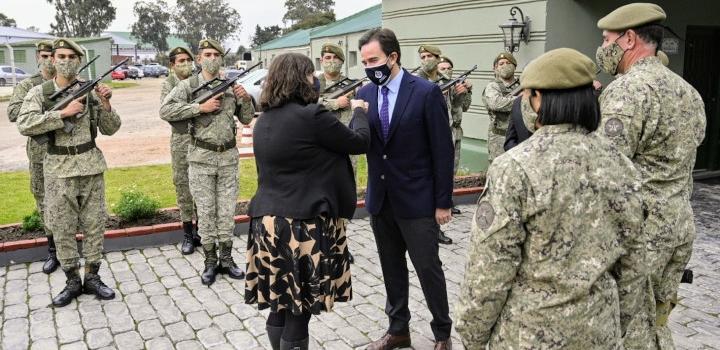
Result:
pixel 227 264
pixel 196 235
pixel 188 244
pixel 94 285
pixel 73 288
pixel 51 263
pixel 455 211
pixel 295 345
pixel 274 334
pixel 443 239
pixel 211 266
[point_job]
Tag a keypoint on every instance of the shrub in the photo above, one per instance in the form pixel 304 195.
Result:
pixel 134 205
pixel 32 222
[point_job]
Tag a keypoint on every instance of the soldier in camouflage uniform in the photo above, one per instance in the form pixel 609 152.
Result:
pixel 74 166
pixel 555 259
pixel 181 64
pixel 460 102
pixel 213 156
pixel 498 97
pixel 36 151
pixel 657 119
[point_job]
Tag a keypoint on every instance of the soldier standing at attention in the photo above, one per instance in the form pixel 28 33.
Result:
pixel 213 157
pixel 74 168
pixel 551 255
pixel 498 100
pixel 36 151
pixel 658 120
pixel 181 65
pixel 460 102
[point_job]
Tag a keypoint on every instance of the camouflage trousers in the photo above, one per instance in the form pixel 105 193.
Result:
pixel 495 145
pixel 178 151
pixel 215 190
pixel 72 203
pixel 37 188
pixel 457 135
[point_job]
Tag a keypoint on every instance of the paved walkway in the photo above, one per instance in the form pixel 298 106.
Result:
pixel 161 303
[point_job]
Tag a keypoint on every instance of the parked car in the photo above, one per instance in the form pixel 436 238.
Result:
pixel 232 73
pixel 118 74
pixel 163 71
pixel 6 75
pixel 150 71
pixel 140 73
pixel 252 82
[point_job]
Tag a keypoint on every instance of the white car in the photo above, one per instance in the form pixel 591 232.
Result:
pixel 139 71
pixel 6 75
pixel 252 82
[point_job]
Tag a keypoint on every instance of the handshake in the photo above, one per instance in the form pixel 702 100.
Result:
pixel 358 104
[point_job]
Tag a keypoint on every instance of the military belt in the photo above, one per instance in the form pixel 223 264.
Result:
pixel 456 124
pixel 213 147
pixel 71 150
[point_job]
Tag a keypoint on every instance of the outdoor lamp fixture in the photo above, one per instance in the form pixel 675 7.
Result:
pixel 514 31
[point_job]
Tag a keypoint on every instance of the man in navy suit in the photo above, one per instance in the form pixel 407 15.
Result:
pixel 410 181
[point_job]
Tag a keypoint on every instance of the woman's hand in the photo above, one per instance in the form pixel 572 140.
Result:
pixel 359 104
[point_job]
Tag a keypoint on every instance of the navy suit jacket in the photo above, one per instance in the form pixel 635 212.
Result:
pixel 414 166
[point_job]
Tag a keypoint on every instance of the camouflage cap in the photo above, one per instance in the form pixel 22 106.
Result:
pixel 211 44
pixel 64 43
pixel 632 16
pixel 180 49
pixel 446 59
pixel 664 59
pixel 558 69
pixel 431 49
pixel 334 49
pixel 506 55
pixel 44 45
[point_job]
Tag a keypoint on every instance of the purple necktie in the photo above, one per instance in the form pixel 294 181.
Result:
pixel 385 112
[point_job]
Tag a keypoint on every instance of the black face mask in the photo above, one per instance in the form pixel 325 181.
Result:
pixel 379 74
pixel 316 84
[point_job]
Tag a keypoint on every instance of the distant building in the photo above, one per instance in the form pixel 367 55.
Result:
pixel 9 35
pixel 126 45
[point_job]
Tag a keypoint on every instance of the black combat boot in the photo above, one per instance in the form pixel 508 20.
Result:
pixel 196 235
pixel 295 345
pixel 444 239
pixel 51 263
pixel 227 264
pixel 188 244
pixel 73 287
pixel 274 333
pixel 94 285
pixel 211 264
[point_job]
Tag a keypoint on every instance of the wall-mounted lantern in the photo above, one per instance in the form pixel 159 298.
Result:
pixel 515 31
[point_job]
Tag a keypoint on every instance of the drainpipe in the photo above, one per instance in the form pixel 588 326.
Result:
pixel 12 60
pixel 87 58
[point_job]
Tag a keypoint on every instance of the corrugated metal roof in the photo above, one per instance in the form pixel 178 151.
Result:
pixel 299 37
pixel 126 38
pixel 364 20
pixel 12 35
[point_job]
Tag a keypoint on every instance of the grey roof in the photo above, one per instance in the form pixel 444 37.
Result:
pixel 12 34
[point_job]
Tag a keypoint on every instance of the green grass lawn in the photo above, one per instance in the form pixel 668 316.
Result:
pixel 122 84
pixel 153 180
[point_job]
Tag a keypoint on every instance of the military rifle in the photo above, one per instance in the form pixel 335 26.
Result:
pixel 459 80
pixel 347 88
pixel 222 86
pixel 415 70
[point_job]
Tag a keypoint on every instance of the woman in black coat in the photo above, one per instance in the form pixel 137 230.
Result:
pixel 297 256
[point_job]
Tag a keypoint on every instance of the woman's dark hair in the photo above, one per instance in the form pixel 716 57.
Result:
pixel 287 82
pixel 577 106
pixel 385 37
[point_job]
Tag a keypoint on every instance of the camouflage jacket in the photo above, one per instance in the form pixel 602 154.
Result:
pixel 551 254
pixel 215 128
pixel 658 120
pixel 498 101
pixel 170 82
pixel 457 104
pixel 344 114
pixel 34 120
pixel 35 151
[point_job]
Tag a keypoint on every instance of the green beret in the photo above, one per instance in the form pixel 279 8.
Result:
pixel 180 49
pixel 506 55
pixel 44 45
pixel 431 49
pixel 211 44
pixel 632 16
pixel 664 59
pixel 446 59
pixel 334 49
pixel 64 43
pixel 558 69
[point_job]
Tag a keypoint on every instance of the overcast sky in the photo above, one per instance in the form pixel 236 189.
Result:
pixel 40 13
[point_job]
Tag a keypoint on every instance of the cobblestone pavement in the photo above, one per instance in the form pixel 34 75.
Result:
pixel 161 304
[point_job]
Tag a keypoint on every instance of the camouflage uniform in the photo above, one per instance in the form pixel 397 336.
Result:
pixel 345 114
pixel 546 247
pixel 73 182
pixel 213 174
pixel 498 101
pixel 179 142
pixel 458 105
pixel 657 119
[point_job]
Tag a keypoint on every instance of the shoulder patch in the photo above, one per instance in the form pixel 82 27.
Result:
pixel 614 127
pixel 484 215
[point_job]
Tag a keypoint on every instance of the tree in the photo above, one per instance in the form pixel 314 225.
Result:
pixel 312 21
pixel 241 50
pixel 265 34
pixel 6 21
pixel 298 10
pixel 81 18
pixel 198 19
pixel 151 26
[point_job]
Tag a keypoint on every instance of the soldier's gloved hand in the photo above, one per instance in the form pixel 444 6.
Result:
pixel 73 108
pixel 342 102
pixel 211 105
pixel 240 92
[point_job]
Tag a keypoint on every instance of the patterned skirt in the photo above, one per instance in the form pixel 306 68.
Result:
pixel 298 265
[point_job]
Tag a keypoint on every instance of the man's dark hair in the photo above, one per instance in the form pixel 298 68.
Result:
pixel 650 33
pixel 385 37
pixel 286 82
pixel 577 106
